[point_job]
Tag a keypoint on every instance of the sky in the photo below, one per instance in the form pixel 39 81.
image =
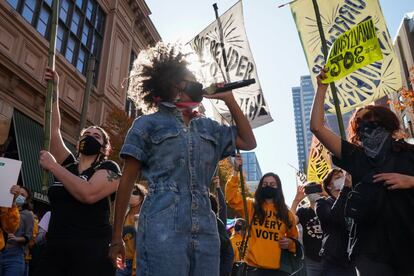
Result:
pixel 279 58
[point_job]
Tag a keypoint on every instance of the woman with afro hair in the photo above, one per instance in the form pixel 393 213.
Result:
pixel 176 150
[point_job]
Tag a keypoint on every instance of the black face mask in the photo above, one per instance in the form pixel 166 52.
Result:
pixel 238 227
pixel 89 146
pixel 269 192
pixel 194 90
pixel 373 138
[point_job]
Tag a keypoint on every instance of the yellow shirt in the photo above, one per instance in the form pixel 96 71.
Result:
pixel 236 241
pixel 9 222
pixel 128 235
pixel 263 249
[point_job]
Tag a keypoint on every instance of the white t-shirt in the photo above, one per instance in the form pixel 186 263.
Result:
pixel 44 222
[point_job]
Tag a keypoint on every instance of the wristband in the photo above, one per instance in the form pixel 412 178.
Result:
pixel 116 244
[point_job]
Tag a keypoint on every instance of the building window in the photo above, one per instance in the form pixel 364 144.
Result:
pixel 28 10
pixel 80 32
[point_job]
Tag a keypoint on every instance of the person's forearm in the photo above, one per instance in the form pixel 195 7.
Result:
pixel 78 187
pixel 244 131
pixel 294 206
pixel 130 174
pixel 318 112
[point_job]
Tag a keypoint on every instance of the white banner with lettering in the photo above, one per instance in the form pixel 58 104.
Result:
pixel 240 66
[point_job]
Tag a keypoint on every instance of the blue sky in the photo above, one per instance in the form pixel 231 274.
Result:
pixel 279 58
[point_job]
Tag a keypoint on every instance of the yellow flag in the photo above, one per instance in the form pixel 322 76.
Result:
pixel 319 162
pixel 366 84
pixel 354 49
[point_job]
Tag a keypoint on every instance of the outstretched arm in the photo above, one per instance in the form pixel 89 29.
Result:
pixel 130 173
pixel 245 138
pixel 57 146
pixel 328 138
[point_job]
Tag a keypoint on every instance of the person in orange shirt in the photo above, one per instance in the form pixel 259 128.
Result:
pixel 273 224
pixel 129 231
pixel 9 218
pixel 237 238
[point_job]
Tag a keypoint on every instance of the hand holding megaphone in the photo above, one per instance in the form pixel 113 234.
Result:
pixel 218 90
pixel 224 87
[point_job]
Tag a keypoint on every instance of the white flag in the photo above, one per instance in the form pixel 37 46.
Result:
pixel 240 64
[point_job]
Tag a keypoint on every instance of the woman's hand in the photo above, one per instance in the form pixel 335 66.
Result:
pixel 117 253
pixel 216 182
pixel 284 243
pixel 300 193
pixel 51 75
pixel 46 160
pixel 348 180
pixel 320 77
pixel 395 180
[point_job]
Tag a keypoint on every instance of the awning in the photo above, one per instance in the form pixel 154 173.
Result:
pixel 29 138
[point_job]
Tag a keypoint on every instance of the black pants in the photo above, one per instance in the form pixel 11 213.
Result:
pixel 76 258
pixel 368 267
pixel 251 271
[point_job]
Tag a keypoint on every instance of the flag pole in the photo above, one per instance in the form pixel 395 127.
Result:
pixel 50 87
pixel 223 52
pixel 332 84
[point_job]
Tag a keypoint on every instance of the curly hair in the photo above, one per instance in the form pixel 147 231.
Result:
pixel 381 114
pixel 106 141
pixel 154 72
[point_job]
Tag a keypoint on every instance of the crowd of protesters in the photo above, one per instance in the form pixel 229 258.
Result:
pixel 355 222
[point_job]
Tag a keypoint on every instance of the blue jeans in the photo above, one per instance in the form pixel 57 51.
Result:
pixel 12 262
pixel 127 271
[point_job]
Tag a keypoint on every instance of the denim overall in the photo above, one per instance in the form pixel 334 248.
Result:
pixel 177 231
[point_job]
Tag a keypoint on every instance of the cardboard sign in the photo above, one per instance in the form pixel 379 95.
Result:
pixel 9 173
pixel 354 49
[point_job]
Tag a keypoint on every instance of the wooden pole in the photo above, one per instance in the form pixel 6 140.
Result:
pixel 50 87
pixel 332 84
pixel 223 52
pixel 88 89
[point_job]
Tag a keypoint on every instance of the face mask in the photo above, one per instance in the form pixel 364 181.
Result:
pixel 89 146
pixel 313 197
pixel 269 192
pixel 194 90
pixel 373 138
pixel 20 200
pixel 238 227
pixel 338 183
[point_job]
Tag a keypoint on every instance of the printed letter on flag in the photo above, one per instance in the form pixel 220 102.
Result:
pixel 319 162
pixel 354 49
pixel 240 65
pixel 366 84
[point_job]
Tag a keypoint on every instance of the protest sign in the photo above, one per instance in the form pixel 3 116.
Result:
pixel 354 49
pixel 9 171
pixel 366 84
pixel 240 66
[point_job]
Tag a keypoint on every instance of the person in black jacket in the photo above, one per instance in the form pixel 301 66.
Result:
pixel 330 212
pixel 382 169
pixel 226 249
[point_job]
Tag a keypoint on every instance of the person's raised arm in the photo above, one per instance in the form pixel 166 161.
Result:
pixel 245 138
pixel 300 195
pixel 130 173
pixel 57 147
pixel 328 138
pixel 103 182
